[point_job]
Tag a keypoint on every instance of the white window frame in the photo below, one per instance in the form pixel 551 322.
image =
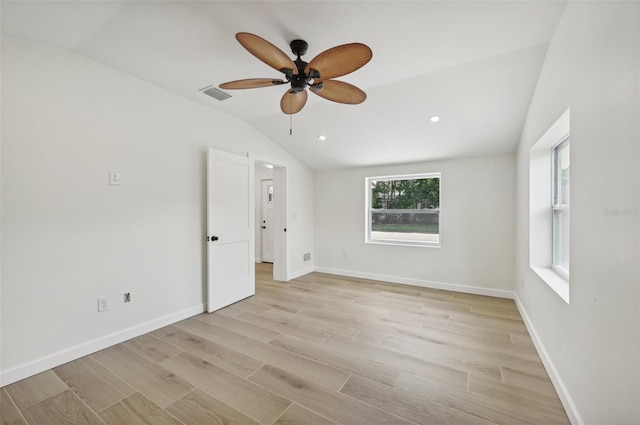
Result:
pixel 557 208
pixel 369 239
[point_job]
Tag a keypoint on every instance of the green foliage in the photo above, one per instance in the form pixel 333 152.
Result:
pixel 406 194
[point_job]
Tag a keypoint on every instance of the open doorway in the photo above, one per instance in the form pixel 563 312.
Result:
pixel 266 221
pixel 270 216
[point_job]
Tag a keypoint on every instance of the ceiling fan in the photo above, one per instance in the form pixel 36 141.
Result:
pixel 316 75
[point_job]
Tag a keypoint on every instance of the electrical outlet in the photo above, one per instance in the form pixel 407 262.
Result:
pixel 127 297
pixel 306 256
pixel 104 303
pixel 344 255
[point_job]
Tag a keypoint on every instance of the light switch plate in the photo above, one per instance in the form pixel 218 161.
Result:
pixel 104 304
pixel 114 179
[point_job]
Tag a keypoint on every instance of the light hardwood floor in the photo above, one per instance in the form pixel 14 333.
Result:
pixel 319 350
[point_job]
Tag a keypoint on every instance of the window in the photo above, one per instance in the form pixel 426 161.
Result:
pixel 560 209
pixel 549 206
pixel 403 210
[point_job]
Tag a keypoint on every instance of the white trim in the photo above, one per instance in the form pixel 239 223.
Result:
pixel 556 380
pixel 258 260
pixel 414 176
pixel 559 284
pixel 368 210
pixel 556 186
pixel 281 182
pixel 558 210
pixel 406 211
pixel 561 272
pixel 61 357
pixel 499 293
pixel 270 161
pixel 400 242
pixel 299 273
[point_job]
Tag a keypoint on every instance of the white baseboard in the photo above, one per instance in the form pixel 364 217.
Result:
pixel 258 260
pixel 558 383
pixel 416 282
pixel 34 367
pixel 299 273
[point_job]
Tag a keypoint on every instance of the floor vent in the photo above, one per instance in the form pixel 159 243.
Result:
pixel 215 93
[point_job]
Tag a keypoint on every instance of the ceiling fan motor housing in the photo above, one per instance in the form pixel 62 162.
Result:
pixel 301 81
pixel 299 47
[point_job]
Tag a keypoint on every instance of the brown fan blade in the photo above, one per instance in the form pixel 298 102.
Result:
pixel 266 52
pixel 340 60
pixel 341 92
pixel 252 83
pixel 292 103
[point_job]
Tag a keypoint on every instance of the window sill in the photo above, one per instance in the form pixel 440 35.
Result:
pixel 559 284
pixel 403 243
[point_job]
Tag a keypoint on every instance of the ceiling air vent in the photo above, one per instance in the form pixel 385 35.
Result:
pixel 215 93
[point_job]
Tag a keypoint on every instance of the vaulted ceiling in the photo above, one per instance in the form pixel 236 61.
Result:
pixel 473 63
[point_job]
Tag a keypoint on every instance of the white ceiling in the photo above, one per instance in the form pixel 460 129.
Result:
pixel 473 63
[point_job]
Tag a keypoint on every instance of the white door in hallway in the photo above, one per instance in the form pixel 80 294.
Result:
pixel 267 221
pixel 230 229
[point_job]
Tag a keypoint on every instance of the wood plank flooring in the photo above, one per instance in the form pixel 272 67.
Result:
pixel 319 350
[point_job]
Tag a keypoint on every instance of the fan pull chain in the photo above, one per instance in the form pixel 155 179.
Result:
pixel 290 124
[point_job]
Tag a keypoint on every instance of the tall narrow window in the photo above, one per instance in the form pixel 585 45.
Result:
pixel 549 186
pixel 403 210
pixel 560 208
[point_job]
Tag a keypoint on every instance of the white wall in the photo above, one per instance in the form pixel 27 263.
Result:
pixel 69 238
pixel 477 223
pixel 300 221
pixel 591 346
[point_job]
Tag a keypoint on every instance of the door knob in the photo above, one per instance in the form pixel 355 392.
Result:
pixel 264 227
pixel 212 238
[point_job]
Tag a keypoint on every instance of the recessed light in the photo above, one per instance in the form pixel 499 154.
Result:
pixel 434 118
pixel 322 137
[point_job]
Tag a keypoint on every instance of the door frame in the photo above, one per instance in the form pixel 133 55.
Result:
pixel 280 208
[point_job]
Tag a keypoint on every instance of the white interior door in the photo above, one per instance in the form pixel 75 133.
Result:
pixel 230 227
pixel 267 221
